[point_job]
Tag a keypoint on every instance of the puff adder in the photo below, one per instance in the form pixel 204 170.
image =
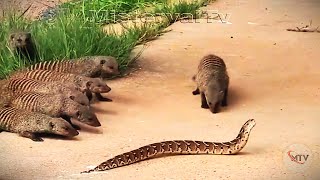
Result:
pixel 179 147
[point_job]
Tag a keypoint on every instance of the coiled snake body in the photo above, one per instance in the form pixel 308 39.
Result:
pixel 179 147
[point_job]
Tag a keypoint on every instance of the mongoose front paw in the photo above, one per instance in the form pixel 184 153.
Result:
pixel 204 106
pixel 37 139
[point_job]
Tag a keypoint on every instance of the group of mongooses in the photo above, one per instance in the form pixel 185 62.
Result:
pixel 45 97
pixel 63 89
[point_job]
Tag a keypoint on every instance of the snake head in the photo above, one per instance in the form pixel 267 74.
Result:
pixel 249 125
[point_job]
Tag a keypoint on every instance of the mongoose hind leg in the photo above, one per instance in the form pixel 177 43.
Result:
pixel 225 97
pixel 31 136
pixel 196 92
pixel 101 98
pixel 204 103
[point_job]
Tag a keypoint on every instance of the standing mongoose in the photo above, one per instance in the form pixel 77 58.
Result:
pixel 55 105
pixel 94 85
pixel 30 124
pixel 20 85
pixel 90 66
pixel 22 44
pixel 212 82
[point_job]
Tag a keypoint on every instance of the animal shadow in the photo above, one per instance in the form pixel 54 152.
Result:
pixel 45 136
pixel 235 97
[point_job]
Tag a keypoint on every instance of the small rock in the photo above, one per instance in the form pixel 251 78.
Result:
pixel 231 37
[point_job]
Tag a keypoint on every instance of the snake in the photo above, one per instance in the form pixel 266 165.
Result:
pixel 179 147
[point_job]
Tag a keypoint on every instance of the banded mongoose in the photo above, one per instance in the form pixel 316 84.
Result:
pixel 94 85
pixel 55 105
pixel 20 85
pixel 90 66
pixel 22 44
pixel 29 124
pixel 5 95
pixel 212 82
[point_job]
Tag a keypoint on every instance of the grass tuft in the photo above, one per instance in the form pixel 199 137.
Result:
pixel 76 31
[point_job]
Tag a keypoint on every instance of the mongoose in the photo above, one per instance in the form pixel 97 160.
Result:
pixel 90 66
pixel 94 85
pixel 23 45
pixel 29 124
pixel 5 97
pixel 20 85
pixel 54 105
pixel 97 86
pixel 212 82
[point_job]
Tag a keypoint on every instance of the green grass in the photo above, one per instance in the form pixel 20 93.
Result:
pixel 108 11
pixel 180 10
pixel 76 32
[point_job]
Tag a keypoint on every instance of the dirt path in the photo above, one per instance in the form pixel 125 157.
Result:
pixel 274 79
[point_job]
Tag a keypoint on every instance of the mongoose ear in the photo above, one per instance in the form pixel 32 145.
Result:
pixel 51 125
pixel 193 77
pixel 78 114
pixel 72 97
pixel 28 35
pixel 102 61
pixel 89 83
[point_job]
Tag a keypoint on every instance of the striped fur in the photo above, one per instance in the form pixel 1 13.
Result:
pixel 90 66
pixel 212 82
pixel 85 84
pixel 54 105
pixel 95 85
pixel 21 85
pixel 5 94
pixel 59 66
pixel 29 124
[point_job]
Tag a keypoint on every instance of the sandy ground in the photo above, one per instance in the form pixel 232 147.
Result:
pixel 274 79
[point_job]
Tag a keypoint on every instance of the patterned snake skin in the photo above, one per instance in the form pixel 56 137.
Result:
pixel 179 147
